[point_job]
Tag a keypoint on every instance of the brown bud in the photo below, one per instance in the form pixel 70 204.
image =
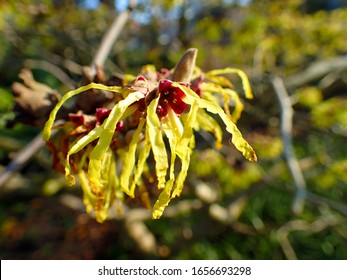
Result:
pixel 185 66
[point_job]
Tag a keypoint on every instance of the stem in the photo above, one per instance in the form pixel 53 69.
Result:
pixel 111 36
pixel 286 130
pixel 21 158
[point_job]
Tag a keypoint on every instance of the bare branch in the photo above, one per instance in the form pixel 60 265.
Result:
pixel 300 225
pixel 269 179
pixel 21 158
pixel 51 68
pixel 316 199
pixel 64 62
pixel 139 232
pixel 286 130
pixel 316 71
pixel 111 36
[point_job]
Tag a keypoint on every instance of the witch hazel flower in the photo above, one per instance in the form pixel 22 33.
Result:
pixel 155 113
pixel 170 98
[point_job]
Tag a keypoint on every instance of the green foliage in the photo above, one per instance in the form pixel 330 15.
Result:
pixel 6 102
pixel 231 179
pixel 330 113
pixel 308 96
pixel 267 147
pixel 339 169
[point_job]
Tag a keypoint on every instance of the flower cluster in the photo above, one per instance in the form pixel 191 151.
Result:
pixel 153 117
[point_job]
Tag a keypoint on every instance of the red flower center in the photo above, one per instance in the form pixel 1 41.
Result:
pixel 196 84
pixel 102 114
pixel 170 98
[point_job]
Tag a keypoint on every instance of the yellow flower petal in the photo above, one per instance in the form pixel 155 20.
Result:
pixel 166 194
pixel 162 201
pixel 46 134
pixel 183 147
pixel 208 88
pixel 157 142
pixel 206 122
pixel 78 146
pixel 237 139
pixel 169 123
pixel 245 82
pixel 238 104
pixel 95 167
pixel 129 163
pixel 143 155
pixel 89 199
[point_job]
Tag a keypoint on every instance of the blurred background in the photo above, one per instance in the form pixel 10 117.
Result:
pixel 230 208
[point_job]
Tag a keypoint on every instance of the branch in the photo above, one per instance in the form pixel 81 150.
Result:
pixel 269 179
pixel 316 71
pixel 64 62
pixel 51 68
pixel 316 199
pixel 300 225
pixel 286 131
pixel 111 36
pixel 21 158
